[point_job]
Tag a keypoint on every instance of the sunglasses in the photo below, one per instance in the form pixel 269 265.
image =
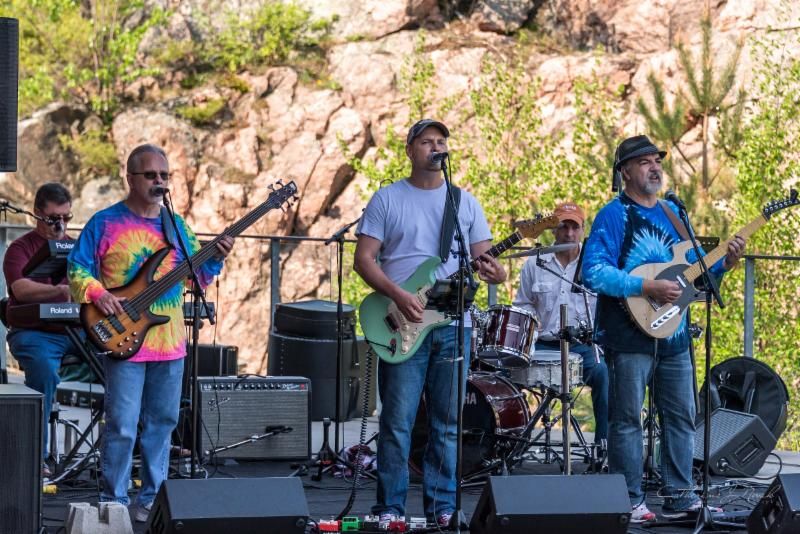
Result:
pixel 151 175
pixel 51 219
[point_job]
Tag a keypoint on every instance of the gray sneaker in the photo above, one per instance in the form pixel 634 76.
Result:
pixel 142 512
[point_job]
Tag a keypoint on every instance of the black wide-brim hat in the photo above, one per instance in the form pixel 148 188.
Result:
pixel 633 147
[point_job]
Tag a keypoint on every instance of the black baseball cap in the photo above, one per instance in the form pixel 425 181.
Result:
pixel 419 126
pixel 633 147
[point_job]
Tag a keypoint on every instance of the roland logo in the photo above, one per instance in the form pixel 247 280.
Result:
pixel 65 245
pixel 60 310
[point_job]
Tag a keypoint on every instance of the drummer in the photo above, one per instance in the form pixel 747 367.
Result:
pixel 543 292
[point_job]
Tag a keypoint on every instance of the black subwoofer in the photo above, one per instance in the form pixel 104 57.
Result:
pixel 240 505
pixel 778 511
pixel 21 453
pixel 9 78
pixel 544 504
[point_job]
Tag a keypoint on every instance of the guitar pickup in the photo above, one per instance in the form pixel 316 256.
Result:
pixel 116 324
pixel 391 323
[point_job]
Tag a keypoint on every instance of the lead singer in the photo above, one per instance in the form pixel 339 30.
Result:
pixel 111 250
pixel 401 229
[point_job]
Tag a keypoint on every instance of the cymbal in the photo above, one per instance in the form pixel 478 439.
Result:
pixel 552 249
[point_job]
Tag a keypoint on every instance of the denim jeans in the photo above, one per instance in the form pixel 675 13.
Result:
pixel 40 353
pixel 674 398
pixel 595 375
pixel 432 369
pixel 139 391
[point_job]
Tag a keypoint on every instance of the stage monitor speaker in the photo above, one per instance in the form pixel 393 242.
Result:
pixel 240 505
pixel 316 359
pixel 9 78
pixel 778 511
pixel 740 443
pixel 543 504
pixel 216 360
pixel 314 319
pixel 21 454
pixel 234 409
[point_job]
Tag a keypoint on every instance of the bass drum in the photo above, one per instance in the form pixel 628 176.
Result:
pixel 750 386
pixel 492 406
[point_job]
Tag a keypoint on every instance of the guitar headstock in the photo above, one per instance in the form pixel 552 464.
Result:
pixel 777 205
pixel 282 193
pixel 532 228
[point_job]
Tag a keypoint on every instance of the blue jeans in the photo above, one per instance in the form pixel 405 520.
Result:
pixel 674 398
pixel 433 369
pixel 40 353
pixel 149 392
pixel 595 375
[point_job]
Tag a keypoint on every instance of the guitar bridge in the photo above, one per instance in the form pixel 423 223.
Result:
pixel 102 333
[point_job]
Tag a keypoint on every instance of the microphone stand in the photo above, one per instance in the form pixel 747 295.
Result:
pixel 465 274
pixel 338 236
pixel 198 294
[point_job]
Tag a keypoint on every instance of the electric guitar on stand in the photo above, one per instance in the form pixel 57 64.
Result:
pixel 121 336
pixel 661 320
pixel 396 339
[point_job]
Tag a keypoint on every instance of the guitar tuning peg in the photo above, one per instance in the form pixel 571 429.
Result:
pixel 271 187
pixel 280 182
pixel 295 198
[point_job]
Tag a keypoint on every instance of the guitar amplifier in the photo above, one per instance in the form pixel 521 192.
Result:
pixel 234 410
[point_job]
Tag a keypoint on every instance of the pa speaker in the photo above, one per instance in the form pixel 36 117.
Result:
pixel 739 445
pixel 778 512
pixel 21 454
pixel 240 505
pixel 543 504
pixel 9 77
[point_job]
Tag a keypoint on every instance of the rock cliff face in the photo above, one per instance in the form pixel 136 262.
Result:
pixel 282 128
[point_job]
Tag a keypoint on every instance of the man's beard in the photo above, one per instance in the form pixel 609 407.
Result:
pixel 652 188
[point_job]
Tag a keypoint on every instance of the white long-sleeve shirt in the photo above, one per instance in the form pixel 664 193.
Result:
pixel 542 292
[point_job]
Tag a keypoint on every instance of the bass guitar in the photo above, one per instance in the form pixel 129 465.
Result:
pixel 661 320
pixel 121 336
pixel 394 338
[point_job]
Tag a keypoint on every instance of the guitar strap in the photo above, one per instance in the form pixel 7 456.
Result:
pixel 448 225
pixel 676 223
pixel 167 229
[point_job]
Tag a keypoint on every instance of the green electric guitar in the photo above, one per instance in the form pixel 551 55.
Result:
pixel 394 338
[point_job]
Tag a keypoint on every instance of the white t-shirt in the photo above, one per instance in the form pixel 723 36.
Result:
pixel 407 221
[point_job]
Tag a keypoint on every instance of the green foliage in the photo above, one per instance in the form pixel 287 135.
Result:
pixel 266 36
pixel 97 154
pixel 81 51
pixel 202 114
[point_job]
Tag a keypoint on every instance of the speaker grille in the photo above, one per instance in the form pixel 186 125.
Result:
pixel 21 452
pixel 9 72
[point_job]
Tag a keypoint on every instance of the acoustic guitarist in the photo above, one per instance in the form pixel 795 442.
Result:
pixel 632 230
pixel 110 251
pixel 400 229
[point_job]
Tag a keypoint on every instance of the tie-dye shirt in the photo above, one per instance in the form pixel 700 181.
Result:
pixel 112 248
pixel 624 236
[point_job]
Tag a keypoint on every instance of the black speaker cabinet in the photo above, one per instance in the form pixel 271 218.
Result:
pixel 21 454
pixel 316 359
pixel 240 505
pixel 778 512
pixel 544 504
pixel 216 360
pixel 313 318
pixel 235 409
pixel 740 443
pixel 9 77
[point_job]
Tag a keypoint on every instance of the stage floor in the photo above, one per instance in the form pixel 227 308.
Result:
pixel 327 498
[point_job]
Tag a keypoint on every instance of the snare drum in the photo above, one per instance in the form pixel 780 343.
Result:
pixel 544 371
pixel 509 337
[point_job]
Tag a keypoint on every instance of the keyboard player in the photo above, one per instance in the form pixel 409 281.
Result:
pixel 39 348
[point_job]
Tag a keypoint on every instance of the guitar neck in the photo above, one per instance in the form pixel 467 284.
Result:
pixel 143 301
pixel 694 272
pixel 495 251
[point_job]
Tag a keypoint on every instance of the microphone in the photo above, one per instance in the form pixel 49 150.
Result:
pixel 672 197
pixel 438 157
pixel 158 191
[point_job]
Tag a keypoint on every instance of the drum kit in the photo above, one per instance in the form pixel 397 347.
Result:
pixel 507 375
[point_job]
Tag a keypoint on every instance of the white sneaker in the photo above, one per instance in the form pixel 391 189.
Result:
pixel 142 512
pixel 641 514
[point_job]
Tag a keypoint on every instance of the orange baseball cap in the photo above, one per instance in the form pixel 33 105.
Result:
pixel 569 211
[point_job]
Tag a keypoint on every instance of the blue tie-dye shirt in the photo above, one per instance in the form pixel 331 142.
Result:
pixel 624 236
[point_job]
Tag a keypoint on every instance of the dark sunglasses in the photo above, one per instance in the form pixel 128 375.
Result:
pixel 151 175
pixel 51 219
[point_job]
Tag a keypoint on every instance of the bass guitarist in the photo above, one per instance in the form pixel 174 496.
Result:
pixel 400 229
pixel 632 230
pixel 111 250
